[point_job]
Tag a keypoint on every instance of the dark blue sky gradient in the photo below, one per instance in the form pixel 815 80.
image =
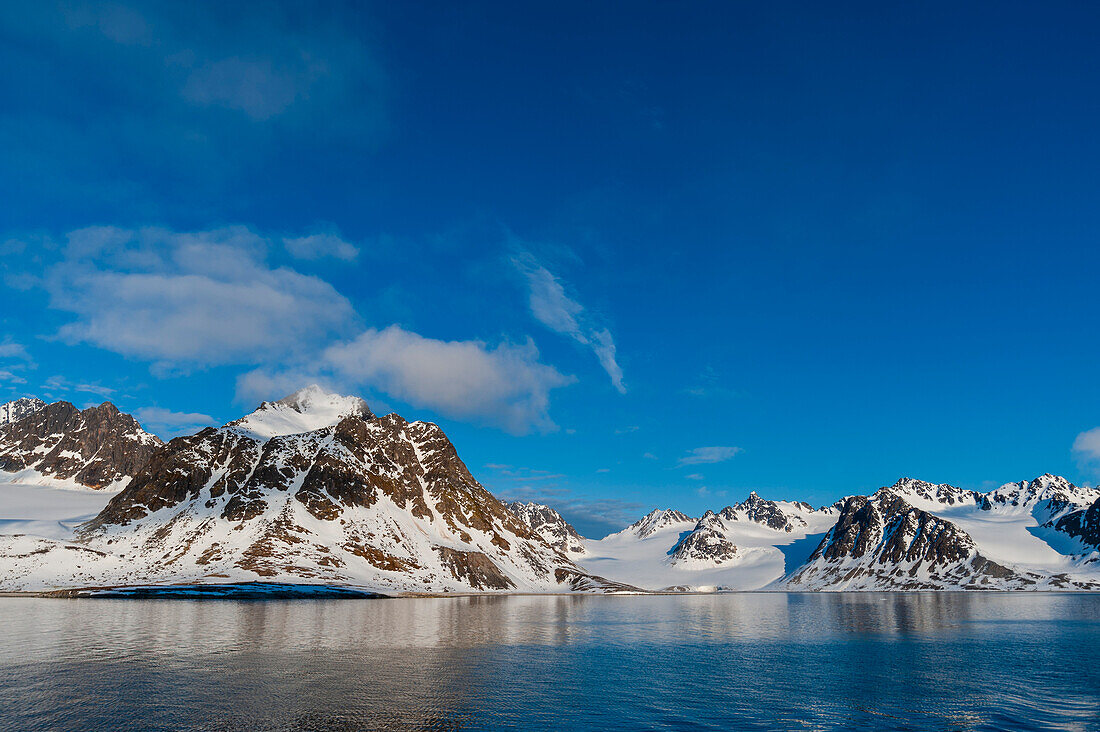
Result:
pixel 856 240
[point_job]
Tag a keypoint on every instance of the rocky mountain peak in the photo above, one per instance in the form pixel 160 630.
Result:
pixel 308 409
pixel 1082 524
pixel 361 499
pixel 1047 497
pixel 920 492
pixel 549 524
pixel 17 409
pixel 657 519
pixel 762 511
pixel 883 542
pixel 707 544
pixel 98 447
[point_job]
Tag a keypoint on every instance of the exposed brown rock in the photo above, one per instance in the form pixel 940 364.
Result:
pixel 95 447
pixel 475 568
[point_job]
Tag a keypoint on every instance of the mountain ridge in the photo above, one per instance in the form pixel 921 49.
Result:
pixel 316 488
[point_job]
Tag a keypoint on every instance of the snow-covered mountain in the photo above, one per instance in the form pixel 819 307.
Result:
pixel 916 535
pixel 18 409
pixel 548 523
pixel 58 444
pixel 657 520
pixel 306 410
pixel 744 546
pixel 310 489
pixel 315 488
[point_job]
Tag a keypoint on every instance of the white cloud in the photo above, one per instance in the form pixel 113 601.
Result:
pixel 184 299
pixel 604 348
pixel 8 378
pixel 318 246
pixel 506 386
pixel 1087 445
pixel 60 385
pixel 649 456
pixel 701 455
pixel 694 476
pixel 167 423
pixel 552 307
pixel 548 301
pixel 11 349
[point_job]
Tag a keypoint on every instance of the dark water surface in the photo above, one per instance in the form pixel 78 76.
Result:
pixel 741 661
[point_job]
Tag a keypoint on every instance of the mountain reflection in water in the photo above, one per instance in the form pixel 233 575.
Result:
pixel 964 661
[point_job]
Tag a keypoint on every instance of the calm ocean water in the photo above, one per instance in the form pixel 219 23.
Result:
pixel 741 661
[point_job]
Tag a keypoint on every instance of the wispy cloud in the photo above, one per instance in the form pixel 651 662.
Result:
pixel 552 307
pixel 702 455
pixel 319 246
pixel 59 386
pixel 695 476
pixel 16 360
pixel 17 351
pixel 190 299
pixel 1086 447
pixel 709 386
pixel 10 379
pixel 505 385
pixel 168 424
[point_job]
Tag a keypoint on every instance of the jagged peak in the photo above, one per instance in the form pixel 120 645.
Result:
pixel 17 409
pixel 658 519
pixel 306 410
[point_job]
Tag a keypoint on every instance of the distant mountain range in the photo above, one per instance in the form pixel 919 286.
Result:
pixel 316 489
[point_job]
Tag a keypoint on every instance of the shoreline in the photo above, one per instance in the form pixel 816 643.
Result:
pixel 284 592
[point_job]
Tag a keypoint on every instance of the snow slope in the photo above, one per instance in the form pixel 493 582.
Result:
pixel 48 512
pixel 643 556
pixel 306 410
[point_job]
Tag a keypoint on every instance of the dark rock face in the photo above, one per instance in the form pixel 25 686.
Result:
pixel 883 542
pixel 656 520
pixel 382 488
pixel 97 447
pixel 942 493
pixel 548 523
pixel 763 511
pixel 707 543
pixel 579 581
pixel 16 410
pixel 1083 524
pixel 475 568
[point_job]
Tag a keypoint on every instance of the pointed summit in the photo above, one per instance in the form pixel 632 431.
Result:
pixel 16 410
pixel 310 408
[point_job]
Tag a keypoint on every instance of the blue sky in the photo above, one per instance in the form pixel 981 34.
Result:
pixel 628 256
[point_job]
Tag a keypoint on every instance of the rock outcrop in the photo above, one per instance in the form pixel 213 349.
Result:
pixel 17 409
pixel 885 543
pixel 549 524
pixel 99 447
